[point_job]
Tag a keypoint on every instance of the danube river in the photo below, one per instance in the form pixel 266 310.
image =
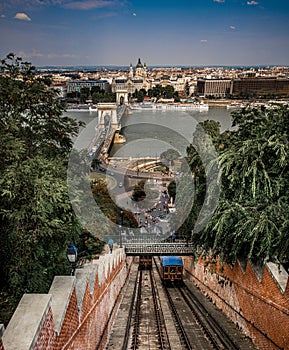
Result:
pixel 149 133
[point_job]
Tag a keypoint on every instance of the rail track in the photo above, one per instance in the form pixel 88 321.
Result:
pixel 218 336
pixel 148 329
pixel 197 328
pixel 173 317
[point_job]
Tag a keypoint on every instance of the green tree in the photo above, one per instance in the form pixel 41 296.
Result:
pixel 84 94
pixel 109 208
pixel 140 95
pixel 176 97
pixel 138 191
pixel 170 155
pixel 207 140
pixel 168 91
pixel 102 96
pixel 172 188
pixel 251 220
pixel 37 220
pixel 95 89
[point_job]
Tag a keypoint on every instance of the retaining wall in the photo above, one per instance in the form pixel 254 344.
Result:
pixel 256 298
pixel 76 312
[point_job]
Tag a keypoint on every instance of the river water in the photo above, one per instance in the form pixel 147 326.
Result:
pixel 149 133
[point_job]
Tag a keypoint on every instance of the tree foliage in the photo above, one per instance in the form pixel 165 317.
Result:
pixel 251 219
pixel 170 155
pixel 102 96
pixel 139 191
pixel 201 156
pixel 166 92
pixel 109 208
pixel 37 220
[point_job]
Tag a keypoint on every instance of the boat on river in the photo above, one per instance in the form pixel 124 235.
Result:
pixel 81 108
pixel 235 105
pixel 170 106
pixel 92 108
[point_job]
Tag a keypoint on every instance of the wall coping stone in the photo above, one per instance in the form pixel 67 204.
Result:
pixel 2 329
pixel 61 290
pixel 85 275
pixel 80 287
pixel 258 268
pixel 22 331
pixel 27 321
pixel 93 267
pixel 279 274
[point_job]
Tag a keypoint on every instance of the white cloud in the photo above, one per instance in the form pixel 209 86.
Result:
pixel 106 15
pixel 22 16
pixel 134 14
pixel 29 5
pixel 88 4
pixel 34 53
pixel 219 1
pixel 65 55
pixel 2 16
pixel 232 27
pixel 252 3
pixel 203 40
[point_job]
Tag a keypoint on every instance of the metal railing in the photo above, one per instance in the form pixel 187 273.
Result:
pixel 156 248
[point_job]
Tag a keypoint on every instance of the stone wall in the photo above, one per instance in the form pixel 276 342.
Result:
pixel 254 297
pixel 75 314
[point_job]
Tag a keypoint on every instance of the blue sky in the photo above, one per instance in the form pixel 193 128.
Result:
pixel 117 32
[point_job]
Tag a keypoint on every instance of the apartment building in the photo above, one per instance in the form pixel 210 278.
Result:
pixel 77 85
pixel 213 87
pixel 260 86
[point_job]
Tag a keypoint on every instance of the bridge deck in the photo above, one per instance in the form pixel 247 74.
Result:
pixel 157 249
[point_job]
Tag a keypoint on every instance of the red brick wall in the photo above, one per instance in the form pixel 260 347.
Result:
pixel 258 307
pixel 84 329
pixel 86 303
pixel 70 323
pixel 46 337
pixel 90 331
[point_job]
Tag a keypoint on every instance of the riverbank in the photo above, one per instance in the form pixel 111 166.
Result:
pixel 222 103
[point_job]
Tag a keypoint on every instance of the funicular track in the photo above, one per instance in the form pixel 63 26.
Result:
pixel 219 338
pixel 176 317
pixel 197 329
pixel 147 330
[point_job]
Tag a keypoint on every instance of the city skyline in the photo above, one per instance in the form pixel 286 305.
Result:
pixel 162 33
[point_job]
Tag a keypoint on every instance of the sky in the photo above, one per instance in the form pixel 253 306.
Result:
pixel 163 33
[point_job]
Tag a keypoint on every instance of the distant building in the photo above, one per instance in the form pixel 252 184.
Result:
pixel 77 85
pixel 260 86
pixel 140 70
pixel 136 80
pixel 213 87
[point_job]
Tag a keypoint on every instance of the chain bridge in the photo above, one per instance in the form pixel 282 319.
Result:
pixel 109 123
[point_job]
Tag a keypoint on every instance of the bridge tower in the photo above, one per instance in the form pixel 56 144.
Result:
pixel 121 97
pixel 107 115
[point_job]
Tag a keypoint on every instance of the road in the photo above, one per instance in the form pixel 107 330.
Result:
pixel 151 213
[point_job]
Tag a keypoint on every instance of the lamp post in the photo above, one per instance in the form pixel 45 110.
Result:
pixel 71 254
pixel 121 227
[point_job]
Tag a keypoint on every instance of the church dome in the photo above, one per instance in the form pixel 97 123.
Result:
pixel 139 65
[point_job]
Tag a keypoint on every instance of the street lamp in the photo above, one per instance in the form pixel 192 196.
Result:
pixel 71 254
pixel 121 227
